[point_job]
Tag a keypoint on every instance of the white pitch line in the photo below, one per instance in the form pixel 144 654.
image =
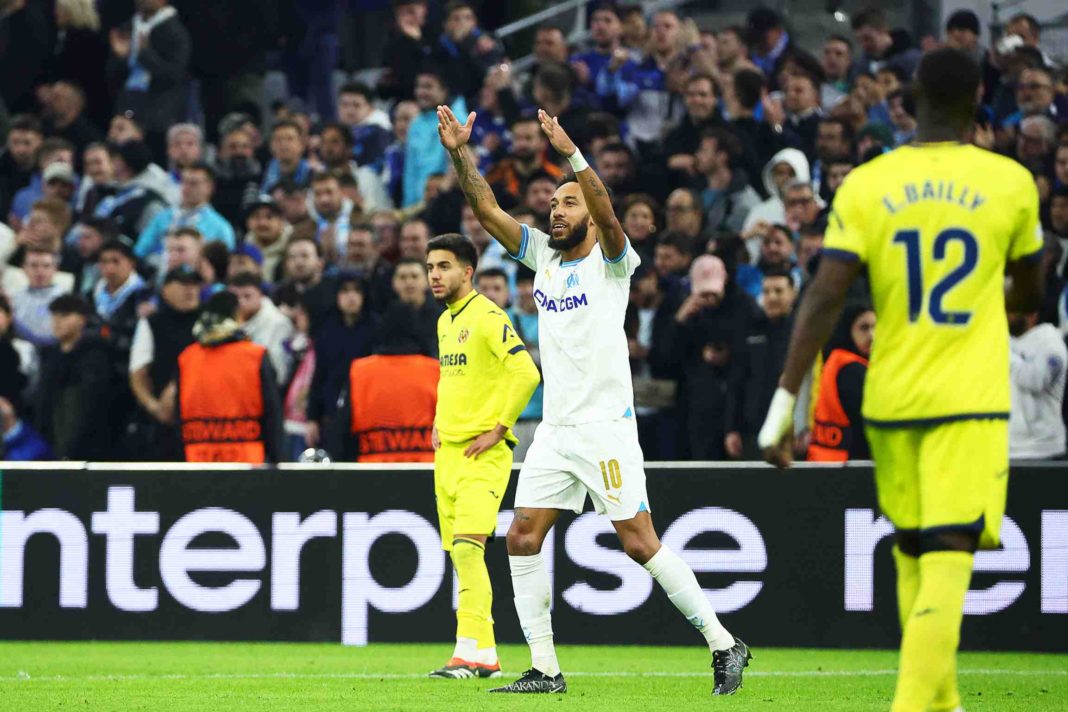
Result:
pixel 26 677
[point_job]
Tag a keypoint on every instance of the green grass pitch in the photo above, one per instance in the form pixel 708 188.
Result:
pixel 232 677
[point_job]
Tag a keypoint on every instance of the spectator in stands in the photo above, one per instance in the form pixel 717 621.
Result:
pixel 726 195
pixel 364 258
pixel 801 101
pixel 492 283
pixel 65 115
pixel 333 214
pixel 414 237
pixel 756 369
pixel 336 150
pixel 21 443
pixel 393 163
pixel 390 400
pixel 237 175
pixel 527 158
pixel 962 32
pixel 80 55
pixel 685 215
pixel 304 267
pixel 732 52
pixel 18 161
pixel 709 328
pixel 1039 360
pixel 261 320
pixel 903 116
pixel 267 232
pixel 880 46
pixel 414 302
pixel 141 191
pixel 834 140
pixel 27 36
pixel 301 353
pixel 288 143
pixel 149 62
pixel 786 165
pixel 346 335
pixel 406 50
pixel 683 141
pixel 158 340
pixel 76 386
pixel 838 431
pixel 33 320
pixel 674 253
pixel 246 259
pixel 185 148
pixel 370 127
pixel 606 36
pixel 123 127
pixel 550 45
pixel 836 61
pixel 639 219
pixel 777 253
pixel 182 248
pixel 616 166
pixel 195 210
pixel 424 156
pixel 117 295
pixel 51 150
pixel 464 51
pixel 293 201
pixel 18 359
pixel 1035 143
pixel 802 208
pixel 98 181
pixel 228 405
pixel 770 45
pixel 553 90
pixel 760 139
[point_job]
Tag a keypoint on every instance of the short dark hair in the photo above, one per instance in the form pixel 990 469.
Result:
pixel 69 304
pixel 361 226
pixel 460 246
pixel 963 20
pixel 185 231
pixel 908 101
pixel 135 154
pixel 358 88
pixel 120 245
pixel 605 6
pixel 836 37
pixel 410 261
pixel 439 77
pixel 245 279
pixel 26 122
pixel 601 124
pixel 524 274
pixel 551 27
pixel 323 176
pixel 725 141
pixel 947 80
pixel 288 124
pixel 736 30
pixel 618 147
pixel 202 167
pixel 847 128
pixel 525 120
pixel 454 5
pixel 105 226
pixel 342 129
pixel 1029 20
pixel 772 272
pixel 555 77
pixel 53 144
pixel 681 242
pixel 871 17
pixel 306 238
pixel 748 87
pixel 493 273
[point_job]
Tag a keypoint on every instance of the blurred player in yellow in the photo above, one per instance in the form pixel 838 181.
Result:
pixel 487 377
pixel 938 225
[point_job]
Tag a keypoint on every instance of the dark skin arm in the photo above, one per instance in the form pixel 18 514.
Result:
pixel 816 318
pixel 609 232
pixel 1024 294
pixel 454 137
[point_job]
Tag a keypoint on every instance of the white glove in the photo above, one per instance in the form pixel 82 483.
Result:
pixel 780 419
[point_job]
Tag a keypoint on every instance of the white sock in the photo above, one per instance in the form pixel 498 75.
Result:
pixel 466 649
pixel 485 656
pixel 681 587
pixel 533 591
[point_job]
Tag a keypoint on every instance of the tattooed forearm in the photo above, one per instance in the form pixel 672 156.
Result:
pixel 473 185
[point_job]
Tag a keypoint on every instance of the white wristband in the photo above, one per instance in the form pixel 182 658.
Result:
pixel 577 161
pixel 780 418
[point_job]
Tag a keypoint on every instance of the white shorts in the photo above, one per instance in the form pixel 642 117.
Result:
pixel 567 462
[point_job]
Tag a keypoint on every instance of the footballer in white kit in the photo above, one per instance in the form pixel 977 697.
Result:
pixel 587 443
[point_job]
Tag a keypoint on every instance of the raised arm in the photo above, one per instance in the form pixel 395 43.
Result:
pixel 609 231
pixel 499 224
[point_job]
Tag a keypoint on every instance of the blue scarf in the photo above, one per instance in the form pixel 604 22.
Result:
pixel 274 174
pixel 139 77
pixel 108 304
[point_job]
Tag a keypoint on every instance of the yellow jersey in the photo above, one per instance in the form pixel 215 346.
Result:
pixel 935 225
pixel 487 376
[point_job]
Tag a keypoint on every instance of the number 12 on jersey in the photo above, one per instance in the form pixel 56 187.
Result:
pixel 910 240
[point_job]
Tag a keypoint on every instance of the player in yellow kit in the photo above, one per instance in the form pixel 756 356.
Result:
pixel 487 377
pixel 938 224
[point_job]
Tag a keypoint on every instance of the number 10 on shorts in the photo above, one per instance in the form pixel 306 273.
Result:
pixel 613 477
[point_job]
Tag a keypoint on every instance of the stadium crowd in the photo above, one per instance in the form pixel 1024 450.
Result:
pixel 142 173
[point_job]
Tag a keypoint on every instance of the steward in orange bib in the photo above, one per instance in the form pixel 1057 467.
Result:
pixel 391 398
pixel 229 407
pixel 838 430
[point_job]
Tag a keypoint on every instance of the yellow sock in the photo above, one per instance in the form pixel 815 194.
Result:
pixel 932 631
pixel 947 698
pixel 908 583
pixel 473 619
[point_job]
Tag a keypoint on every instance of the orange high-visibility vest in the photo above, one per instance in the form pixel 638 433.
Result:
pixel 393 403
pixel 221 397
pixel 832 430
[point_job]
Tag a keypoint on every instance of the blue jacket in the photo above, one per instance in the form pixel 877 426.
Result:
pixel 206 219
pixel 424 155
pixel 22 443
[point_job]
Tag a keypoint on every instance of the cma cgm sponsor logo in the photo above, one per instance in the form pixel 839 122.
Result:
pixel 271 560
pixel 864 530
pixel 559 305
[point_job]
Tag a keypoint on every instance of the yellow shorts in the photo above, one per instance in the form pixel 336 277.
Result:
pixel 469 492
pixel 949 475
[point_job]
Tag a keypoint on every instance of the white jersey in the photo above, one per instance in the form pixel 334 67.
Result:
pixel 581 306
